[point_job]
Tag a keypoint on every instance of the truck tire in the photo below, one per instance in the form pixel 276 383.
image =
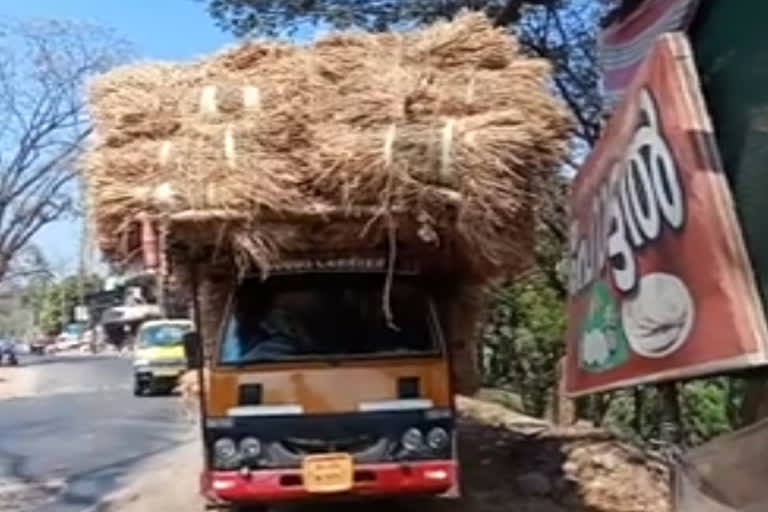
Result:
pixel 139 389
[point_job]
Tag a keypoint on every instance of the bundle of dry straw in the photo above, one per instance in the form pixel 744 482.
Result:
pixel 432 138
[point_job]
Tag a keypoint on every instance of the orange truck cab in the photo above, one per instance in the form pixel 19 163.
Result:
pixel 315 391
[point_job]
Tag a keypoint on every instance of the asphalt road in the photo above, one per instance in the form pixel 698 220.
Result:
pixel 80 437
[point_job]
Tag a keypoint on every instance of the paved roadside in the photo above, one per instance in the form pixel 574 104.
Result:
pixel 17 381
pixel 166 482
pixel 78 434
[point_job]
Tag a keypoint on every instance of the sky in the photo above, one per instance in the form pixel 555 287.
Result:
pixel 159 29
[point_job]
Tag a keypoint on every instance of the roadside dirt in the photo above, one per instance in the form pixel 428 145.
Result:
pixel 510 462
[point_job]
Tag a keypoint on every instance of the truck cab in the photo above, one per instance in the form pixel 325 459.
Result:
pixel 325 384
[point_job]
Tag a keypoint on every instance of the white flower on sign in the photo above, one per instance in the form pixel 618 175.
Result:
pixel 595 350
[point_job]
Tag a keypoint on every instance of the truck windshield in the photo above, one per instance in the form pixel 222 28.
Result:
pixel 163 335
pixel 325 317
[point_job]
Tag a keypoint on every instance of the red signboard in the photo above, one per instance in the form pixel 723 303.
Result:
pixel 660 283
pixel 624 44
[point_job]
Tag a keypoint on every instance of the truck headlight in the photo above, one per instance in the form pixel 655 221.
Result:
pixel 437 438
pixel 140 362
pixel 225 452
pixel 250 448
pixel 412 440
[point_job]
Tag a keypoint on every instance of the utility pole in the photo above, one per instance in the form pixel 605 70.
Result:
pixel 84 251
pixel 81 263
pixel 162 269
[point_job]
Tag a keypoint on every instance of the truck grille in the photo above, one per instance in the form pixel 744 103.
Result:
pixel 314 446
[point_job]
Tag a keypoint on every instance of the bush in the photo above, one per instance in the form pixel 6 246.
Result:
pixel 523 341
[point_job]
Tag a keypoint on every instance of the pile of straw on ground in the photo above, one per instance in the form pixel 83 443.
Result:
pixel 432 138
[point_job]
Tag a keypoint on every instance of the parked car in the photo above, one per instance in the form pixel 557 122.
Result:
pixel 8 352
pixel 70 338
pixel 39 346
pixel 65 344
pixel 23 348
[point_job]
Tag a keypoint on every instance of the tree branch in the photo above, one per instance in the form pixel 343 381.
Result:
pixel 44 66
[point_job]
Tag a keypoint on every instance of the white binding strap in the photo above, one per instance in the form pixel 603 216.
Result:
pixel 229 146
pixel 164 154
pixel 208 103
pixel 251 98
pixel 411 404
pixel 266 410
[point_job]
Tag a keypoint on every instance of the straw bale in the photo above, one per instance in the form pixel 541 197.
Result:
pixel 469 42
pixel 430 139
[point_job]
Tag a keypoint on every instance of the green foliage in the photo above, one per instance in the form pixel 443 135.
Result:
pixel 15 320
pixel 524 340
pixel 708 407
pixel 280 17
pixel 53 303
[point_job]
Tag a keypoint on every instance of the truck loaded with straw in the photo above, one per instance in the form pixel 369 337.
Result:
pixel 338 211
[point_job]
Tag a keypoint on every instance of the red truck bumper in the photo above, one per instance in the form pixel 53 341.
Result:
pixel 274 486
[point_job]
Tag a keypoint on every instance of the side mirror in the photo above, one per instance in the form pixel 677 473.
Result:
pixel 193 350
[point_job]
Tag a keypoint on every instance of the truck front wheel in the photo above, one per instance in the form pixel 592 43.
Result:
pixel 140 388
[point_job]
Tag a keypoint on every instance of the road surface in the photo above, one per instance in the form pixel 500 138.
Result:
pixel 80 436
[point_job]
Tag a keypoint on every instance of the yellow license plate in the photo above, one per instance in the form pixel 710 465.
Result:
pixel 328 473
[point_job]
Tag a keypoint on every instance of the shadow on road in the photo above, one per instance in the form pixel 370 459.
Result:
pixel 90 487
pixel 86 488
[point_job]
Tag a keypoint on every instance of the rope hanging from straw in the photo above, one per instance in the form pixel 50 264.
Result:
pixel 446 147
pixel 252 98
pixel 389 141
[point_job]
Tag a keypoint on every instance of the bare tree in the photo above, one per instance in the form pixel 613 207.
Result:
pixel 43 68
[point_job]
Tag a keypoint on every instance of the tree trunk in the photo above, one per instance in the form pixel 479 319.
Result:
pixel 638 397
pixel 564 408
pixel 670 427
pixel 755 406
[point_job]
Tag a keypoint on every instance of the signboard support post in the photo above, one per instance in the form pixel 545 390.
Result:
pixel 670 424
pixel 755 405
pixel 638 399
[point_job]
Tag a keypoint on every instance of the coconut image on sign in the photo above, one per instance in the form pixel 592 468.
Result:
pixel 659 317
